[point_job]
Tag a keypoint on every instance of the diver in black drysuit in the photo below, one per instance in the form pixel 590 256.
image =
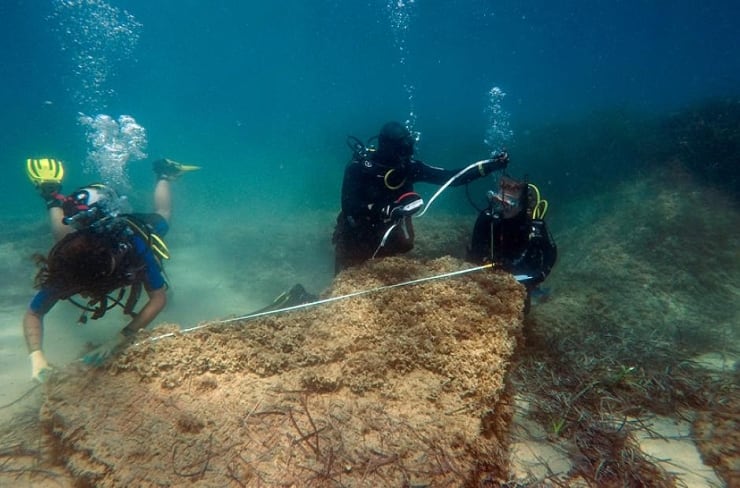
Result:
pixel 377 187
pixel 507 234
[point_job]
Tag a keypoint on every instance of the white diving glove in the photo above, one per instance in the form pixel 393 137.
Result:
pixel 40 369
pixel 97 356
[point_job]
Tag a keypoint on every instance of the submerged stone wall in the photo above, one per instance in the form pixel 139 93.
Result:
pixel 405 386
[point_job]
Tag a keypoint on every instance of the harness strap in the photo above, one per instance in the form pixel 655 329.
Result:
pixel 153 240
pixel 101 308
pixel 133 297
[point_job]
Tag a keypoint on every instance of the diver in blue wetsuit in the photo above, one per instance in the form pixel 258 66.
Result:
pixel 102 254
pixel 378 193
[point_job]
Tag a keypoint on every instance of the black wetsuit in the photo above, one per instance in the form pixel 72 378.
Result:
pixel 519 245
pixel 368 188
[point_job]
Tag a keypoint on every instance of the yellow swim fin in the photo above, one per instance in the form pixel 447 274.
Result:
pixel 45 170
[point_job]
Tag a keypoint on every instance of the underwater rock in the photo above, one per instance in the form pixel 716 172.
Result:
pixel 405 386
pixel 718 439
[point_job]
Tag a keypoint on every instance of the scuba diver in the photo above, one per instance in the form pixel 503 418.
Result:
pixel 512 234
pixel 378 197
pixel 101 252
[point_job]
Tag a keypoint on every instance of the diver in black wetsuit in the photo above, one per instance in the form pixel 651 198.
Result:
pixel 378 192
pixel 512 234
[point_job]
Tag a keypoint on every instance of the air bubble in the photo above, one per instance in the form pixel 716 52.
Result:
pixel 98 38
pixel 113 144
pixel 399 14
pixel 498 132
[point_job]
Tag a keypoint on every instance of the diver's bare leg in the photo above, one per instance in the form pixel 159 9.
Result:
pixel 163 199
pixel 58 228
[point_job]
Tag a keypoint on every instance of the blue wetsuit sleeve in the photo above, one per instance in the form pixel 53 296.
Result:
pixel 160 226
pixel 43 301
pixel 153 278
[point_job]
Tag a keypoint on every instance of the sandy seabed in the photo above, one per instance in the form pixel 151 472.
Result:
pixel 406 387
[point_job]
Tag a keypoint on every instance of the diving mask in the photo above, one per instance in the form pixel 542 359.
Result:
pixel 90 204
pixel 508 199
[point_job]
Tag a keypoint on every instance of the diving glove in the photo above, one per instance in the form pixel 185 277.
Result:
pixel 404 206
pixel 100 354
pixel 46 174
pixel 488 166
pixel 167 169
pixel 40 369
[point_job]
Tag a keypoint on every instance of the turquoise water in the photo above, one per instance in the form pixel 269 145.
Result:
pixel 264 93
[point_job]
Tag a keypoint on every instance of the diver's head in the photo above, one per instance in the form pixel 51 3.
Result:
pixel 90 204
pixel 510 198
pixel 395 144
pixel 81 262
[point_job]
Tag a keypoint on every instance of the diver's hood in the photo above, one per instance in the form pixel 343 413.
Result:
pixel 395 144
